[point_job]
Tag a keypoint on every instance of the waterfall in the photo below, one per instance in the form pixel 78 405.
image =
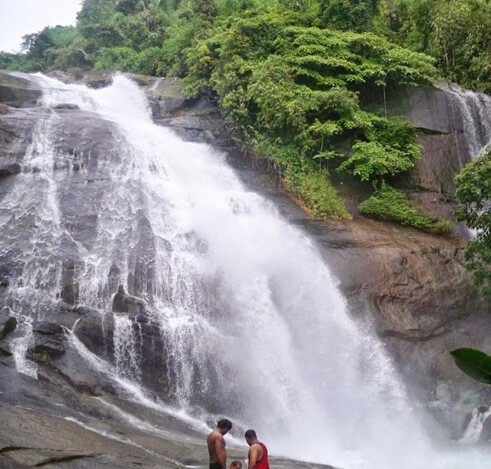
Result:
pixel 253 325
pixel 475 109
pixel 126 353
pixel 475 426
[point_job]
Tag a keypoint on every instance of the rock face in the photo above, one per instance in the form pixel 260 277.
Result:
pixel 419 299
pixel 410 287
pixel 49 341
pixel 124 303
pixel 18 92
pixel 451 124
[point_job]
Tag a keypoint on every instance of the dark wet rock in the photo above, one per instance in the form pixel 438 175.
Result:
pixel 92 79
pixel 142 274
pixel 166 96
pixel 96 80
pixel 15 136
pixel 49 342
pixel 486 430
pixel 18 92
pixel 47 328
pixel 197 120
pixel 144 81
pixel 124 303
pixel 70 287
pixel 97 334
pixel 440 125
pixel 209 129
pixel 4 109
pixel 8 322
pixel 7 325
pixel 9 167
pixel 67 107
pixel 5 351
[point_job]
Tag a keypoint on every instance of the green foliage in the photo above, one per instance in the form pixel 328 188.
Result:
pixel 95 11
pixel 457 33
pixel 474 363
pixel 389 148
pixel 389 204
pixel 461 40
pixel 145 62
pixel 43 49
pixel 300 86
pixel 353 15
pixel 302 180
pixel 474 208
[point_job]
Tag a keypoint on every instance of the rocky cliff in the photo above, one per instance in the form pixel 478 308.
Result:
pixel 410 288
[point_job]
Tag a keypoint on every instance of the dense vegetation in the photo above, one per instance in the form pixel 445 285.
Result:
pixel 474 208
pixel 391 205
pixel 149 36
pixel 290 76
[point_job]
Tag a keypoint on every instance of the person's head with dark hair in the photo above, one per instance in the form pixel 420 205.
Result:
pixel 224 426
pixel 236 465
pixel 250 436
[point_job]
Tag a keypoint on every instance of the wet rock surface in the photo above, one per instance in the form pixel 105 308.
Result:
pixel 49 342
pixel 53 422
pixel 438 114
pixel 124 303
pixel 18 92
pixel 7 325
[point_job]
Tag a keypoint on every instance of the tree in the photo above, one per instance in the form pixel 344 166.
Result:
pixel 474 208
pixel 95 11
pixel 355 15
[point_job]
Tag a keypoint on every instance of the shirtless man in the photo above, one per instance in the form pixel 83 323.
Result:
pixel 216 444
pixel 258 453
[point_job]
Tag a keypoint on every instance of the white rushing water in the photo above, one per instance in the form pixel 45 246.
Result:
pixel 253 323
pixel 475 109
pixel 474 429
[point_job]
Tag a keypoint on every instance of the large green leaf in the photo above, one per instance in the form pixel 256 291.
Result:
pixel 474 363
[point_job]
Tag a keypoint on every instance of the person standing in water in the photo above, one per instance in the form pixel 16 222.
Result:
pixel 216 444
pixel 258 453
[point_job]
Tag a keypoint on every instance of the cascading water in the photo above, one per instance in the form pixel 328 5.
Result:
pixel 476 424
pixel 252 322
pixel 475 109
pixel 126 348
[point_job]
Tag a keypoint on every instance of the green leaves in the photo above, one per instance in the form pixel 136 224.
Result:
pixel 474 208
pixel 373 159
pixel 388 148
pixel 299 87
pixel 392 205
pixel 456 33
pixel 474 363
